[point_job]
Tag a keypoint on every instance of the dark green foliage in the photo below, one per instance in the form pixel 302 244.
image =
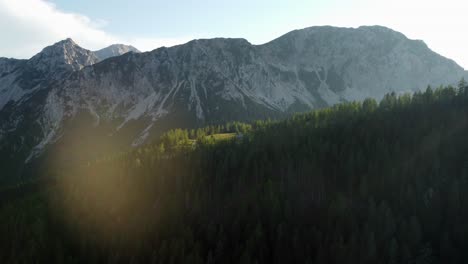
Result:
pixel 355 183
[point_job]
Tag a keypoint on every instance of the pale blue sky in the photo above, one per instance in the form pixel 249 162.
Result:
pixel 29 25
pixel 256 20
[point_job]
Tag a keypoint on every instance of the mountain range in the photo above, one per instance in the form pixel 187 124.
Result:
pixel 77 103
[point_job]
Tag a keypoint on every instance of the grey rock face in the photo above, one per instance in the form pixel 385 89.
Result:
pixel 8 65
pixel 370 61
pixel 21 78
pixel 63 56
pixel 135 96
pixel 114 50
pixel 216 80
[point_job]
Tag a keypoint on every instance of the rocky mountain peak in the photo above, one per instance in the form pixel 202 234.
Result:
pixel 114 50
pixel 66 42
pixel 62 56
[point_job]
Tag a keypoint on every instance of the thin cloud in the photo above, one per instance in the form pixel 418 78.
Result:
pixel 28 26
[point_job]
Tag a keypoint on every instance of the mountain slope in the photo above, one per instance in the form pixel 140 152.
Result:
pixel 24 89
pixel 214 80
pixel 354 183
pixel 363 62
pixel 130 99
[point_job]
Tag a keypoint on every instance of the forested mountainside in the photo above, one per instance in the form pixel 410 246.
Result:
pixel 355 183
pixel 129 100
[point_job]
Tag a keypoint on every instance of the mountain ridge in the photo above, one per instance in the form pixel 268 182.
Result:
pixel 114 50
pixel 136 96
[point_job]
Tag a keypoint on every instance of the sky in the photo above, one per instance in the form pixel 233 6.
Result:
pixel 27 26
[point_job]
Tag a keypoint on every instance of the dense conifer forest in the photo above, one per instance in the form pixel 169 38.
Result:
pixel 360 182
